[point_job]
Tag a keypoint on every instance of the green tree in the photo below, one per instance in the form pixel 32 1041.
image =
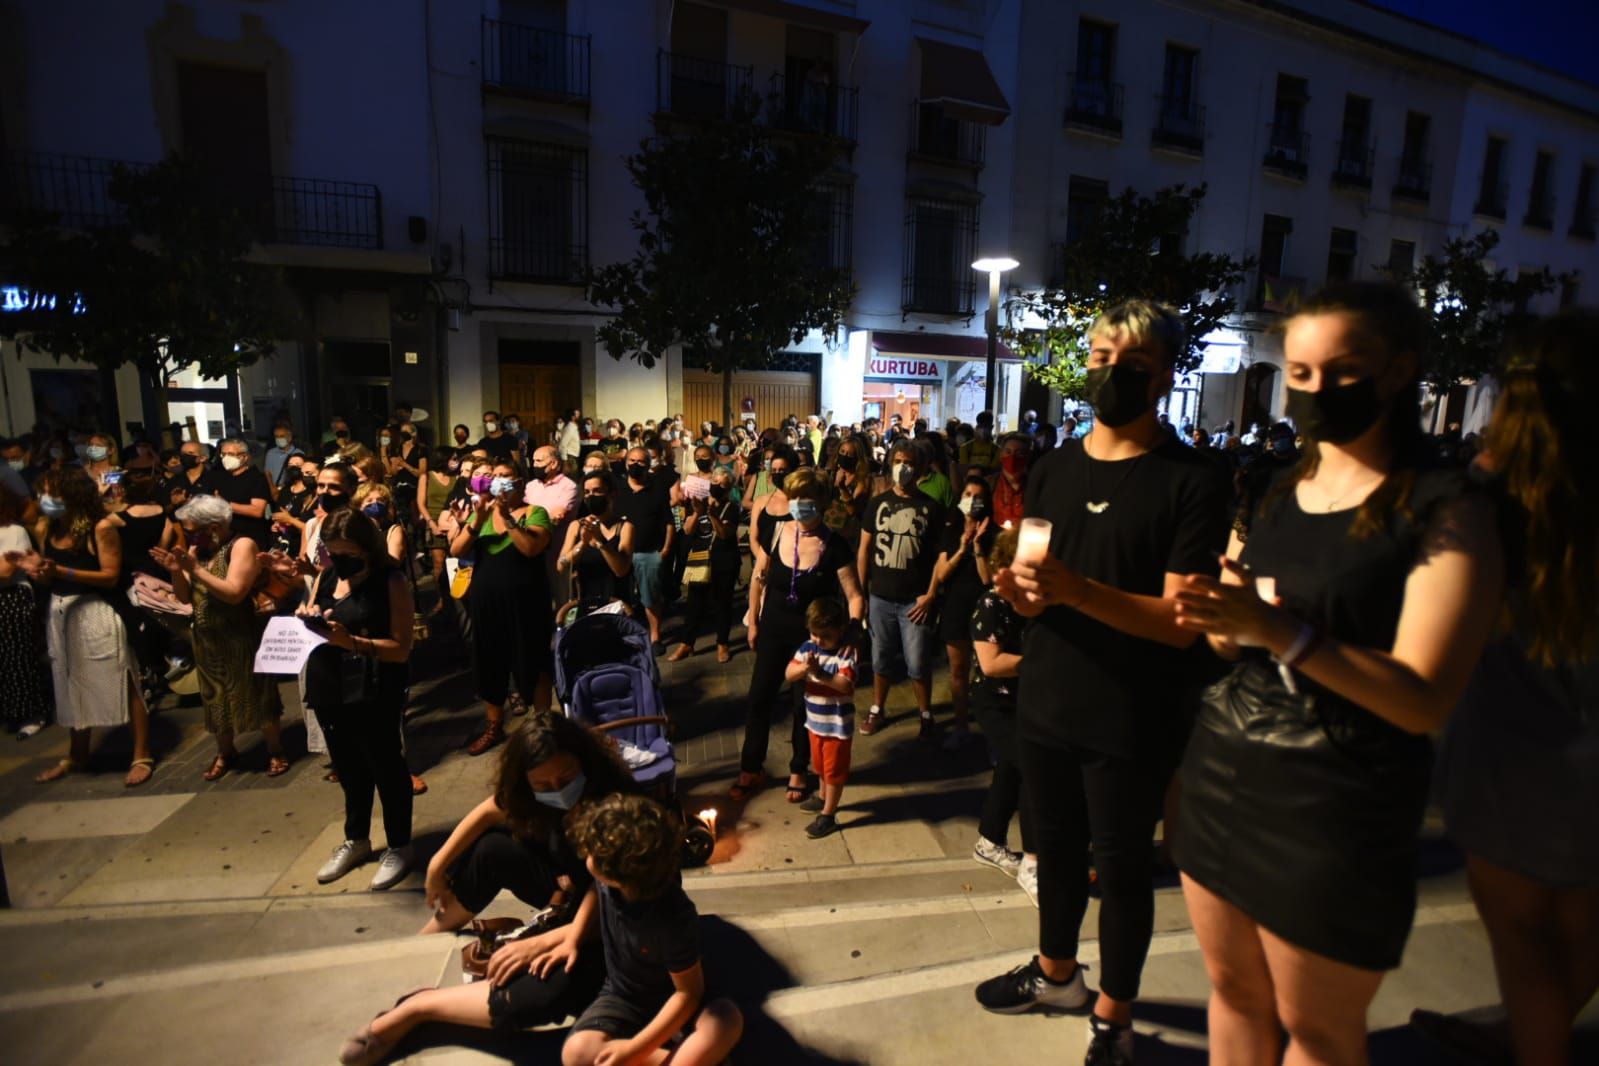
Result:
pixel 731 257
pixel 1127 252
pixel 164 287
pixel 1473 306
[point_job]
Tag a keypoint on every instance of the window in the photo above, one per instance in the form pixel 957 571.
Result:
pixel 1274 243
pixel 1583 217
pixel 1096 100
pixel 1084 197
pixel 1341 255
pixel 1541 204
pixel 1180 120
pixel 222 113
pixel 529 51
pixel 1492 194
pixel 809 90
pixel 1096 52
pixel 940 237
pixel 1287 146
pixel 1288 114
pixel 834 247
pixel 1401 258
pixel 1354 146
pixel 538 211
pixel 1415 168
pixel 1568 291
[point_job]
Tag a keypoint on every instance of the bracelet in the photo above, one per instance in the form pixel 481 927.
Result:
pixel 1302 647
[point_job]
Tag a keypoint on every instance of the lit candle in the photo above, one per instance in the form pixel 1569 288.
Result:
pixel 1267 588
pixel 708 817
pixel 1032 542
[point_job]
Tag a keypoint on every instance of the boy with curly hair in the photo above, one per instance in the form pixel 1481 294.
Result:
pixel 654 983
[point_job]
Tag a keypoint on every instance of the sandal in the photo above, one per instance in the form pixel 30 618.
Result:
pixel 277 764
pixel 418 786
pixel 492 734
pixel 147 765
pixel 58 771
pixel 797 793
pixel 746 786
pixel 219 767
pixel 365 1048
pixel 682 651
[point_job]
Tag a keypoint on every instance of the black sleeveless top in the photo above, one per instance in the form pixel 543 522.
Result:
pixel 85 558
pixel 139 535
pixel 767 528
pixel 597 583
pixel 365 613
pixel 788 594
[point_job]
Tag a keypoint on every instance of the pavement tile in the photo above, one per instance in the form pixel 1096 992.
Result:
pixel 68 819
pixel 40 873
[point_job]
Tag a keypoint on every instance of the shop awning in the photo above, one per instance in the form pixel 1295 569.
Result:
pixel 800 14
pixel 937 345
pixel 960 79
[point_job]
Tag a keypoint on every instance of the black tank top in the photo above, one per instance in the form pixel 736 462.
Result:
pixel 596 581
pixel 139 535
pixel 85 558
pixel 767 528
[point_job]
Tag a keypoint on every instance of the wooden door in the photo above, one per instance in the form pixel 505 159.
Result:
pixel 538 394
pixel 777 394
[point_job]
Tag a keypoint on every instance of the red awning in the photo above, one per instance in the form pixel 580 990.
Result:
pixel 800 14
pixel 938 345
pixel 960 80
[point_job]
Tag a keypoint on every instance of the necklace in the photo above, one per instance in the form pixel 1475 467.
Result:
pixel 1332 504
pixel 1097 507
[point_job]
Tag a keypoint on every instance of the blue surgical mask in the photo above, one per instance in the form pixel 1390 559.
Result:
pixel 376 509
pixel 500 486
pixel 52 506
pixel 97 452
pixel 803 510
pixel 567 797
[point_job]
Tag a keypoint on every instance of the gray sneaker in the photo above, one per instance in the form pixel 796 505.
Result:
pixel 1026 987
pixel 392 868
pixel 998 856
pixel 346 857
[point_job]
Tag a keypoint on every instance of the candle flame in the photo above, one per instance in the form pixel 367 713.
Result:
pixel 708 816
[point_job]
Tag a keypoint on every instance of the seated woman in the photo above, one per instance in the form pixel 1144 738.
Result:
pixel 516 839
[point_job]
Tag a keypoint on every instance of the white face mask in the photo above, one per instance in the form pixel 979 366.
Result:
pixel 284 442
pixel 383 441
pixel 18 465
pixel 491 427
pixel 231 463
pixel 965 506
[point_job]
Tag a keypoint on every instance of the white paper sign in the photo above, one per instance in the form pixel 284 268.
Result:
pixel 696 487
pixel 285 646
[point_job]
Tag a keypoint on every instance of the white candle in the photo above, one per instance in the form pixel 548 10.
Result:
pixel 1267 588
pixel 1032 542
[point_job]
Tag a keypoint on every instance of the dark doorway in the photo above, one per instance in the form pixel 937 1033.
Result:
pixel 360 377
pixel 1260 385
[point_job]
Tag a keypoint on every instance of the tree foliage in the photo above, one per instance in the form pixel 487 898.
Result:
pixel 1127 251
pixel 1473 306
pixel 164 287
pixel 732 241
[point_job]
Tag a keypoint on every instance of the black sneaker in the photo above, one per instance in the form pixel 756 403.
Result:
pixel 929 729
pixel 811 804
pixel 1109 1044
pixel 1026 987
pixel 825 825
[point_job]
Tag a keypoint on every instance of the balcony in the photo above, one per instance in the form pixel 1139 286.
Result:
pixel 1414 181
pixel 1353 165
pixel 939 293
pixel 689 87
pixel 1287 151
pixel 1540 212
pixel 1094 106
pixel 814 107
pixel 1493 200
pixel 541 64
pixel 75 192
pixel 938 137
pixel 1179 125
pixel 1278 293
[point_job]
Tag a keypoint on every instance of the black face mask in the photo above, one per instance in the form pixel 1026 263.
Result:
pixel 348 566
pixel 596 506
pixel 329 502
pixel 1337 414
pixel 907 474
pixel 638 471
pixel 1119 393
pixel 718 492
pixel 848 463
pixel 777 477
pixel 189 461
pixel 703 464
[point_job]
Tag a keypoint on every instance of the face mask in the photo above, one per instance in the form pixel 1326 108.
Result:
pixel 52 507
pixel 452 465
pixel 231 463
pixel 480 483
pixel 566 797
pixel 18 465
pixel 348 566
pixel 330 502
pixel 377 509
pixel 724 449
pixel 502 486
pixel 638 471
pixel 284 442
pixel 974 506
pixel 189 461
pixel 1014 464
pixel 1119 393
pixel 803 511
pixel 460 438
pixel 383 441
pixel 848 463
pixel 704 465
pixel 596 506
pixel 904 474
pixel 718 492
pixel 97 452
pixel 491 427
pixel 513 426
pixel 777 478
pixel 1337 414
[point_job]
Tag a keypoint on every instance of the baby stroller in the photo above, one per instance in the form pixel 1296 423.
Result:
pixel 606 679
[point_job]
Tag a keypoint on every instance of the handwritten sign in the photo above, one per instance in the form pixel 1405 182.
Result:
pixel 903 369
pixel 285 646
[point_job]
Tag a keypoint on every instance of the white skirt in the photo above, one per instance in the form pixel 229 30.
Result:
pixel 91 661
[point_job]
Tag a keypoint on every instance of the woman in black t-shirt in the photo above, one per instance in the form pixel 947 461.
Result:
pixel 1305 780
pixel 995 631
pixel 961 572
pixel 806 561
pixel 710 532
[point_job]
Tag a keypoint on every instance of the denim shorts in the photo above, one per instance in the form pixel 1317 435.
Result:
pixel 901 648
pixel 647 575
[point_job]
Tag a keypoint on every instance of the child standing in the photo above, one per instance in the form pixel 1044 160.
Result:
pixel 654 984
pixel 826 663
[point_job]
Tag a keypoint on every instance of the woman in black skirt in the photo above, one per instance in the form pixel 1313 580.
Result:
pixel 1355 607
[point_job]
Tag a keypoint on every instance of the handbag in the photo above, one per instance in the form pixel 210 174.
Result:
pixel 697 568
pixel 489 935
pixel 460 583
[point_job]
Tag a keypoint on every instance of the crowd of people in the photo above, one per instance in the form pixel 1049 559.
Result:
pixel 1253 638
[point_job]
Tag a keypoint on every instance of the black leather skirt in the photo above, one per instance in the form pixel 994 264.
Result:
pixel 1303 812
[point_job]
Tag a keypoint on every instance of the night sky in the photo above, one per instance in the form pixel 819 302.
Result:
pixel 1559 34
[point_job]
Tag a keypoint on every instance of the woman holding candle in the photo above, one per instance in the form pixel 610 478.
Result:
pixel 1100 725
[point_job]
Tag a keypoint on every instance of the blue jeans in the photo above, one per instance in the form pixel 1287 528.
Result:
pixel 901 648
pixel 647 573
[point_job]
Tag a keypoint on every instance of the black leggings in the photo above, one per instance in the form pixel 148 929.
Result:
pixel 775 644
pixel 1078 797
pixel 368 751
pixel 497 860
pixel 713 598
pixel 1004 796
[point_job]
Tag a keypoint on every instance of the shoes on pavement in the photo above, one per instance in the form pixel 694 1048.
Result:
pixel 683 651
pixel 1026 987
pixel 928 730
pixel 723 653
pixel 825 825
pixel 364 1049
pixel 29 729
pixel 392 868
pixel 811 804
pixel 492 734
pixel 872 722
pixel 346 857
pixel 515 705
pixel 998 856
pixel 1027 879
pixel 1109 1044
pixel 956 738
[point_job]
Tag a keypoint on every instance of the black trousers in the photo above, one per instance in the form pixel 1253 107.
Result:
pixel 713 599
pixel 1004 797
pixel 368 751
pixel 775 645
pixel 497 861
pixel 1080 797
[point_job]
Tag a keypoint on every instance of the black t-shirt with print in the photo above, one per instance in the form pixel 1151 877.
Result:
pixel 995 622
pixel 649 509
pixel 646 941
pixel 242 487
pixel 905 532
pixel 1083 682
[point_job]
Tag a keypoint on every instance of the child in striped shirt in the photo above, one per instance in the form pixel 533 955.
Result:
pixel 826 664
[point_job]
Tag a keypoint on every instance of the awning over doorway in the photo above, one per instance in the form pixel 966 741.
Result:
pixel 800 14
pixel 960 80
pixel 937 345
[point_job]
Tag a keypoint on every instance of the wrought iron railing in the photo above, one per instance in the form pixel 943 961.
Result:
pixel 344 214
pixel 1353 163
pixel 697 88
pixel 835 247
pixel 940 236
pixel 74 191
pixel 1094 104
pixel 538 211
pixel 1179 123
pixel 1287 150
pixel 814 107
pixel 528 60
pixel 1414 181
pixel 937 135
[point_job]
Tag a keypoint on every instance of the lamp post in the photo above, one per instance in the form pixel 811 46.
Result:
pixel 995 266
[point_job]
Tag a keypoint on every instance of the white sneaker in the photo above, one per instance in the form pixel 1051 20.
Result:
pixel 392 868
pixel 1027 878
pixel 346 857
pixel 998 856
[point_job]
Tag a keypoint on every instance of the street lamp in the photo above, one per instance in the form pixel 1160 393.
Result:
pixel 995 266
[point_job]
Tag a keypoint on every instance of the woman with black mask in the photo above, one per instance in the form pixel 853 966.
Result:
pixel 962 574
pixel 710 533
pixel 851 476
pixel 599 547
pixel 770 511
